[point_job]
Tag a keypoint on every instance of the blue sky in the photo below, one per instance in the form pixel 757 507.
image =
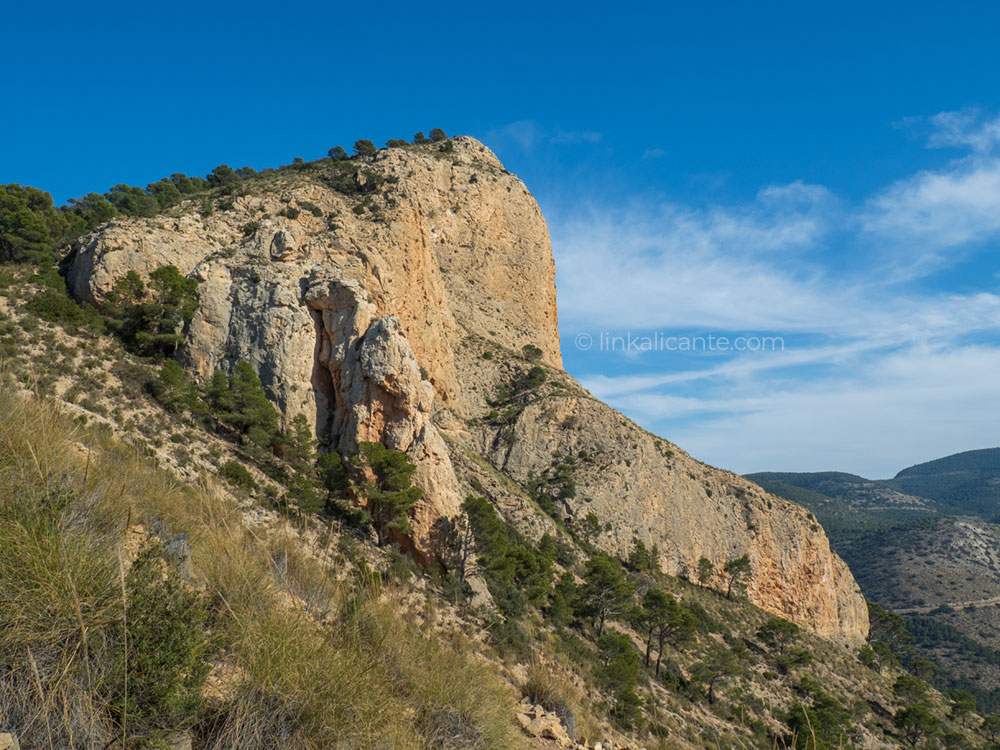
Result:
pixel 829 175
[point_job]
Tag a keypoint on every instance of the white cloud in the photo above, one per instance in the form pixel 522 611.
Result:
pixel 897 410
pixel 573 137
pixel 671 266
pixel 938 210
pixel 964 129
pixel 926 217
pixel 529 135
pixel 881 372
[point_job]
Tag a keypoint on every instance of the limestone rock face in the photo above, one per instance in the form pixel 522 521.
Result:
pixel 397 309
pixel 640 487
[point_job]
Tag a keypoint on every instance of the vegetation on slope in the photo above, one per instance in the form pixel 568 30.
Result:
pixel 97 643
pixel 969 481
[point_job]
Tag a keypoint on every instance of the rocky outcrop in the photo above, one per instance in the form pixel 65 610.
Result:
pixel 397 311
pixel 643 488
pixel 370 388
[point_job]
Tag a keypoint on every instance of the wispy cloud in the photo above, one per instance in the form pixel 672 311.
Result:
pixel 966 128
pixel 887 367
pixel 529 135
pixel 931 214
pixel 575 136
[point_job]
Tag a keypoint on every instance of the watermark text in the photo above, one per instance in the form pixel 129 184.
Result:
pixel 659 341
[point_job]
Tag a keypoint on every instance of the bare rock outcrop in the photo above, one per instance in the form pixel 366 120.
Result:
pixel 641 487
pixel 394 311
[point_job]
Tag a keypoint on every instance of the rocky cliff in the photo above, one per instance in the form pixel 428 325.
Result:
pixel 410 299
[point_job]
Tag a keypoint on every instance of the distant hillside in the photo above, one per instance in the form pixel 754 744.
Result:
pixel 969 480
pixel 914 549
pixel 841 520
pixel 943 576
pixel 856 491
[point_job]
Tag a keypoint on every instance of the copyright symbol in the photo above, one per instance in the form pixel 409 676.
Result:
pixel 584 341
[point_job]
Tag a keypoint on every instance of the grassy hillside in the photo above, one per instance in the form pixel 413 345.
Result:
pixel 969 481
pixel 108 631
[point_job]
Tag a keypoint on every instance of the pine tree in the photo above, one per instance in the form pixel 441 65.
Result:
pixel 301 443
pixel 606 593
pixel 737 570
pixel 706 569
pixel 392 494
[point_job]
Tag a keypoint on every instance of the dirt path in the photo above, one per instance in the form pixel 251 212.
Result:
pixel 953 605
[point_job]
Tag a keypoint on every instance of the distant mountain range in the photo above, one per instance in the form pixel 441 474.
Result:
pixel 925 544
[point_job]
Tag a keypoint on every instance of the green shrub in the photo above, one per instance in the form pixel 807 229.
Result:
pixel 236 473
pixel 312 208
pixel 55 306
pixel 165 644
pixel 535 377
pixel 531 352
pixel 172 389
pixel 250 228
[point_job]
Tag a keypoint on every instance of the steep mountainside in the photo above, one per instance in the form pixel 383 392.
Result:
pixel 415 306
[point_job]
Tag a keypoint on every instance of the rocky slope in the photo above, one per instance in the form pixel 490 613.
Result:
pixel 940 571
pixel 417 307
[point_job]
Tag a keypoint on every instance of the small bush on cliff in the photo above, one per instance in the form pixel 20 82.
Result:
pixel 172 389
pixel 237 474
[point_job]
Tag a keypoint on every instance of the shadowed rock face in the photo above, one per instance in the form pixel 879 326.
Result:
pixel 377 330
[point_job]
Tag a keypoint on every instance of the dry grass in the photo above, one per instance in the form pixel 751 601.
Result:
pixel 319 664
